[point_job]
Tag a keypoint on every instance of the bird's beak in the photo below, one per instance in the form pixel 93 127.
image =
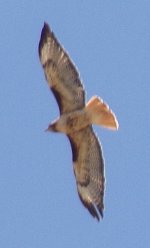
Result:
pixel 51 128
pixel 46 130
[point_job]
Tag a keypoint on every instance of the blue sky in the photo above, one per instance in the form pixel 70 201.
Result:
pixel 109 41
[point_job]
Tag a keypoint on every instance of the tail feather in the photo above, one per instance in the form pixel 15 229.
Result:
pixel 100 113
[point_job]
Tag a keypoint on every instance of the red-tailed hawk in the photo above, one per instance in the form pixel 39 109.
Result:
pixel 76 119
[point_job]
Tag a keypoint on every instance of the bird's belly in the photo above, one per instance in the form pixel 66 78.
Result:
pixel 73 122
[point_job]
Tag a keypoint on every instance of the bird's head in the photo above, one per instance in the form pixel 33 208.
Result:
pixel 52 127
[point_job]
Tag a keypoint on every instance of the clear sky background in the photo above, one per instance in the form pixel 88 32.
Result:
pixel 109 41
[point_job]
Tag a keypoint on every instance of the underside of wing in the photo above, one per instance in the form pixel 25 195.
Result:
pixel 89 170
pixel 61 74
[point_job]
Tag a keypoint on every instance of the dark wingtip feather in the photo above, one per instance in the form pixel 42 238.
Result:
pixel 100 209
pixel 94 210
pixel 46 28
pixel 44 34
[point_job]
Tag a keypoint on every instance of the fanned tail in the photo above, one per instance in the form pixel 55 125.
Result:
pixel 100 113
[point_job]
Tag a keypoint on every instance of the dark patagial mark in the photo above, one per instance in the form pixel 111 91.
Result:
pixel 74 148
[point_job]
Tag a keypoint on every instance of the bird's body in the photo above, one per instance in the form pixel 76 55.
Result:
pixel 70 122
pixel 76 119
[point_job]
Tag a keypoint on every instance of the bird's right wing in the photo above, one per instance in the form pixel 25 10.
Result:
pixel 89 169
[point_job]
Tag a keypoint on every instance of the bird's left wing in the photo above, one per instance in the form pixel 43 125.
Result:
pixel 61 74
pixel 89 169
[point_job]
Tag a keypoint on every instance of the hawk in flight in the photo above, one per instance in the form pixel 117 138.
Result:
pixel 76 119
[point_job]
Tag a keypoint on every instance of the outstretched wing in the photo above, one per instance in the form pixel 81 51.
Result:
pixel 89 169
pixel 60 72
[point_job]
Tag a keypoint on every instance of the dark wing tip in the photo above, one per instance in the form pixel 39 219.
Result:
pixel 100 209
pixel 94 210
pixel 46 31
